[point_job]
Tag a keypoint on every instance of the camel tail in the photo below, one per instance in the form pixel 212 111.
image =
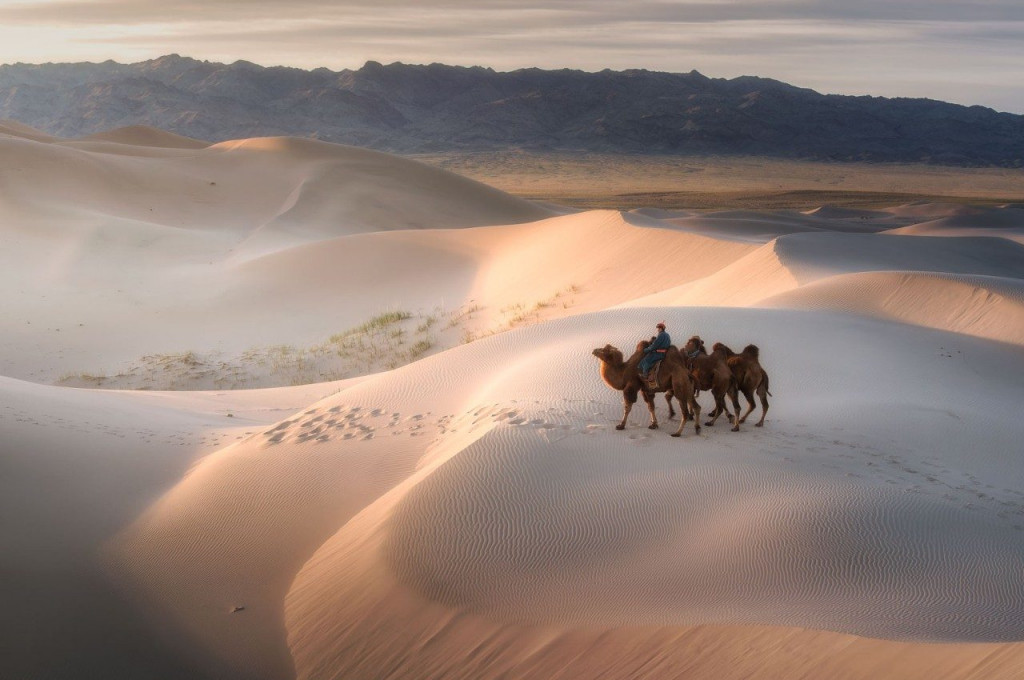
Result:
pixel 753 351
pixel 766 386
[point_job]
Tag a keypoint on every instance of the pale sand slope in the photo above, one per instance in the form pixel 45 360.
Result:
pixel 494 267
pixel 151 243
pixel 307 292
pixel 967 285
pixel 757 226
pixel 283 186
pixel 1007 222
pixel 466 516
pixel 912 218
pixel 13 128
pixel 144 135
pixel 76 466
pixel 983 306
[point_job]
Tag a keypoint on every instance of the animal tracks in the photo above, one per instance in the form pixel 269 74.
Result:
pixel 361 423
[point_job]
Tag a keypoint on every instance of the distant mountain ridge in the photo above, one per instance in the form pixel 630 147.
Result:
pixel 406 109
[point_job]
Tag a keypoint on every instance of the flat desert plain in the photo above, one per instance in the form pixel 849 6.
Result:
pixel 276 408
pixel 593 180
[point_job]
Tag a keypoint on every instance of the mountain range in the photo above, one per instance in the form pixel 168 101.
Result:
pixel 436 108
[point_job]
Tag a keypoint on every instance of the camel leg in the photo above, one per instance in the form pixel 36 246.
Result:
pixel 628 399
pixel 764 405
pixel 734 397
pixel 649 398
pixel 686 408
pixel 668 400
pixel 749 396
pixel 685 404
pixel 696 414
pixel 720 408
pixel 715 412
pixel 684 414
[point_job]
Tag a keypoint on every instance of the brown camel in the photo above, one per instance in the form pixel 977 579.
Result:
pixel 710 372
pixel 749 377
pixel 672 376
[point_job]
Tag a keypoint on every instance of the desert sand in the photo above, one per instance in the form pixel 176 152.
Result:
pixel 276 408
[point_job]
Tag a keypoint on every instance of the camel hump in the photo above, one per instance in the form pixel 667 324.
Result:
pixel 752 351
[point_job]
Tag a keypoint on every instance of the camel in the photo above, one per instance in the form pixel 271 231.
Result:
pixel 710 372
pixel 672 377
pixel 749 377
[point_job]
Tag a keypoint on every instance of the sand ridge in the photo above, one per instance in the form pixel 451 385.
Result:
pixel 15 129
pixel 144 135
pixel 541 538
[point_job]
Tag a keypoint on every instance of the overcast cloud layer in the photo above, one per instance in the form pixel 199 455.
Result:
pixel 965 52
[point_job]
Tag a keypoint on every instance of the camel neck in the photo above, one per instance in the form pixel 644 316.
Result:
pixel 615 374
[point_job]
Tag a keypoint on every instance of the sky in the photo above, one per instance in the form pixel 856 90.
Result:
pixel 968 52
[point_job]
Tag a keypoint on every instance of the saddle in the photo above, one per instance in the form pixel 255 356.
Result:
pixel 651 378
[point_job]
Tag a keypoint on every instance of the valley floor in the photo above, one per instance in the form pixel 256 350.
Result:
pixel 596 181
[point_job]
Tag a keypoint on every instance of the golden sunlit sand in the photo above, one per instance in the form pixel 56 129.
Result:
pixel 278 408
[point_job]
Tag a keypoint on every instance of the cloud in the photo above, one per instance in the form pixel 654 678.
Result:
pixel 936 48
pixel 130 12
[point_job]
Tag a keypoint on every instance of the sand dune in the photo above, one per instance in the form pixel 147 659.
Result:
pixel 842 213
pixel 246 186
pixel 930 210
pixel 144 135
pixel 511 499
pixel 983 306
pixel 808 257
pixel 1005 222
pixel 78 466
pixel 13 128
pixel 155 240
pixel 463 507
pixel 768 274
pixel 763 226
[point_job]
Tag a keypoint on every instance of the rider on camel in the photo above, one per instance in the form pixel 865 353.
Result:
pixel 655 351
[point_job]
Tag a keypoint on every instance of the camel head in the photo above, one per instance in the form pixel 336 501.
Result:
pixel 694 346
pixel 608 354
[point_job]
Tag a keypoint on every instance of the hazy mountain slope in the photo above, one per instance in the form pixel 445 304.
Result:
pixel 408 108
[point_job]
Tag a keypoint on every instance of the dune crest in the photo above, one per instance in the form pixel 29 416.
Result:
pixel 982 306
pixel 144 135
pixel 15 129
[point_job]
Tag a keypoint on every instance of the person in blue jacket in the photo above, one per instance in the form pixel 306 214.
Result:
pixel 655 351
